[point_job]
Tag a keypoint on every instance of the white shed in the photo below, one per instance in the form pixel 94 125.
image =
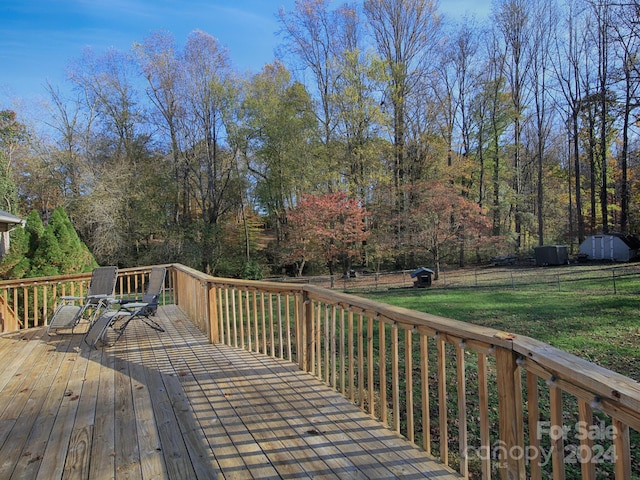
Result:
pixel 615 247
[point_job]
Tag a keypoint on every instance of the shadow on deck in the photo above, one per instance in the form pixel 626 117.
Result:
pixel 171 405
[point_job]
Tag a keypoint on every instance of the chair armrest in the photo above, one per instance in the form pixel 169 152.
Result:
pixel 134 305
pixel 126 301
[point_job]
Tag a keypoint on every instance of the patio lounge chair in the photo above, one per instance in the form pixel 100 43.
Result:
pixel 123 311
pixel 72 310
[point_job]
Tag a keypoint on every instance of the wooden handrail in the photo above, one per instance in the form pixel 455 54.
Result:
pixel 482 400
pixel 33 300
pixel 337 337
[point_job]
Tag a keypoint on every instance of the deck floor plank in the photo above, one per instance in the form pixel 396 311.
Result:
pixel 151 461
pixel 27 405
pixel 253 403
pixel 17 375
pixel 269 454
pixel 13 354
pixel 236 456
pixel 127 454
pixel 170 405
pixel 321 432
pixel 78 461
pixel 102 460
pixel 56 416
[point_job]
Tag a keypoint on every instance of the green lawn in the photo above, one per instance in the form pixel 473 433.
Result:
pixel 590 321
pixel 602 328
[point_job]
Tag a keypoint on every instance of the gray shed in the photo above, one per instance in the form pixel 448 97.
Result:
pixel 7 223
pixel 614 247
pixel 551 255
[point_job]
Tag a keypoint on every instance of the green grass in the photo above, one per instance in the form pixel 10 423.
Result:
pixel 601 328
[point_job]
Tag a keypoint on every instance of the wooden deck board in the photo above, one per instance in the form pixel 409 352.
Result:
pixel 102 460
pixel 65 398
pixel 149 448
pixel 127 454
pixel 27 408
pixel 78 456
pixel 171 405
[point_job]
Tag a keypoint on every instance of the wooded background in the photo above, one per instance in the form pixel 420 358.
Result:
pixel 383 136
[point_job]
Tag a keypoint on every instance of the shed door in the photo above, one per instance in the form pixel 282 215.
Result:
pixel 602 247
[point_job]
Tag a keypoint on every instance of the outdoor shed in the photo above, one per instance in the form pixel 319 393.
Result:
pixel 7 223
pixel 551 255
pixel 422 277
pixel 614 247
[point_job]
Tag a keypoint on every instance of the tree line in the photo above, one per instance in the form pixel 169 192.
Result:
pixel 383 135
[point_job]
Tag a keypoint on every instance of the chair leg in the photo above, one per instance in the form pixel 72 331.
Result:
pixel 98 329
pixel 153 324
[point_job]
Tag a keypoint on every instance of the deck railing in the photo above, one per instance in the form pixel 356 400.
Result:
pixel 485 402
pixel 30 302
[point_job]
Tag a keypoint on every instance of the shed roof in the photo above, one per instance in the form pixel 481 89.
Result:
pixel 629 240
pixel 421 271
pixel 7 219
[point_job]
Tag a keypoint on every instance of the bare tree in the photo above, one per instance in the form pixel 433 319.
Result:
pixel 160 64
pixel 601 9
pixel 543 29
pixel 210 97
pixel 496 113
pixel 626 43
pixel 13 134
pixel 465 50
pixel 359 81
pixel 568 65
pixel 513 20
pixel 114 149
pixel 105 82
pixel 73 122
pixel 312 31
pixel 405 34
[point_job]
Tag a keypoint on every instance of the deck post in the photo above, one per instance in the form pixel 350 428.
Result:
pixel 512 461
pixel 174 285
pixel 212 313
pixel 307 332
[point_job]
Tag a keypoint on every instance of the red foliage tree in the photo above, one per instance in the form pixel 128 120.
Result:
pixel 440 217
pixel 329 228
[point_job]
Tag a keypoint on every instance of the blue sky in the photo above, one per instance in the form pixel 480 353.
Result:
pixel 38 38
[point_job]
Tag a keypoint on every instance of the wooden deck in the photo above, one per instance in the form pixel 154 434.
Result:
pixel 171 405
